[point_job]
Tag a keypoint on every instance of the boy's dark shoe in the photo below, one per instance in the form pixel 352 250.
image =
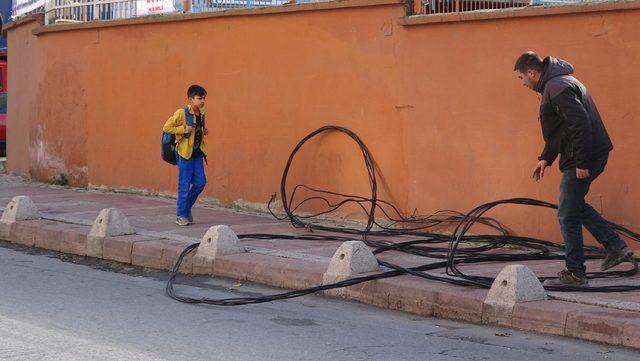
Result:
pixel 615 257
pixel 567 278
pixel 190 219
pixel 181 221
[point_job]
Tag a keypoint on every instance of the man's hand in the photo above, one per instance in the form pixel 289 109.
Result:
pixel 538 172
pixel 582 173
pixel 188 129
pixel 206 131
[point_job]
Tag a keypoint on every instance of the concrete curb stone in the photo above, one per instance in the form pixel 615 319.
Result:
pixel 405 293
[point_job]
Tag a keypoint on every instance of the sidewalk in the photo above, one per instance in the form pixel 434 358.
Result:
pixel 612 318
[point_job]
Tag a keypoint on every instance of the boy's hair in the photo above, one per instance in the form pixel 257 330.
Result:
pixel 196 90
pixel 529 61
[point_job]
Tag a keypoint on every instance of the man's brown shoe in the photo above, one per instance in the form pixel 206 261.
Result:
pixel 615 257
pixel 567 278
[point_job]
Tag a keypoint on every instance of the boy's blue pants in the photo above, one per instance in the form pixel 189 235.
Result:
pixel 191 182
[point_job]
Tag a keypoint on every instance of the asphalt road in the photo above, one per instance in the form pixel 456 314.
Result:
pixel 57 307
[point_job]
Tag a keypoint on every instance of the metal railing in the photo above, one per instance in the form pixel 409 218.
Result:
pixel 61 11
pixel 562 2
pixel 70 11
pixel 457 6
pixel 216 5
pixel 198 6
pixel 26 7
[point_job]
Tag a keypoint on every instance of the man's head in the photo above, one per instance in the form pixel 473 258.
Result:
pixel 529 67
pixel 197 96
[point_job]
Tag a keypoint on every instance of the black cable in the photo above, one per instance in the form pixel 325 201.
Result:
pixel 368 163
pixel 477 249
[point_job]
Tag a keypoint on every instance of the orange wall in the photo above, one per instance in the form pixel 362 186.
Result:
pixel 438 105
pixel 22 115
pixel 46 116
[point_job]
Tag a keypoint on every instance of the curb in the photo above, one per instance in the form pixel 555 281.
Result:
pixel 403 293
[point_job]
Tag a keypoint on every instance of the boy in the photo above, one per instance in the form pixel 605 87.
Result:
pixel 190 131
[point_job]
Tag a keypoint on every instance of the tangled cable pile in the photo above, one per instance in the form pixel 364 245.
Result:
pixel 451 251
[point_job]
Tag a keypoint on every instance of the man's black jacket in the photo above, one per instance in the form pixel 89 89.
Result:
pixel 571 124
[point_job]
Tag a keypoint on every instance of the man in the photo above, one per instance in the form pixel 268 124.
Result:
pixel 572 127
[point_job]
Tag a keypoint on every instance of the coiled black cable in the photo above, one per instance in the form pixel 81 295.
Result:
pixel 478 248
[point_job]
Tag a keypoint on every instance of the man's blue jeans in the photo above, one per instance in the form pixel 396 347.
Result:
pixel 191 182
pixel 574 212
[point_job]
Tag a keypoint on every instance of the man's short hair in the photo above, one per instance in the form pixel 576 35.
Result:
pixel 196 90
pixel 529 61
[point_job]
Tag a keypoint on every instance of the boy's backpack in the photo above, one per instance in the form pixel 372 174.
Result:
pixel 168 146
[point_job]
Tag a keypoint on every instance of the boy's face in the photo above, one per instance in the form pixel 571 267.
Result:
pixel 198 101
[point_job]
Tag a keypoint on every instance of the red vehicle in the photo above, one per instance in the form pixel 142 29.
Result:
pixel 3 107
